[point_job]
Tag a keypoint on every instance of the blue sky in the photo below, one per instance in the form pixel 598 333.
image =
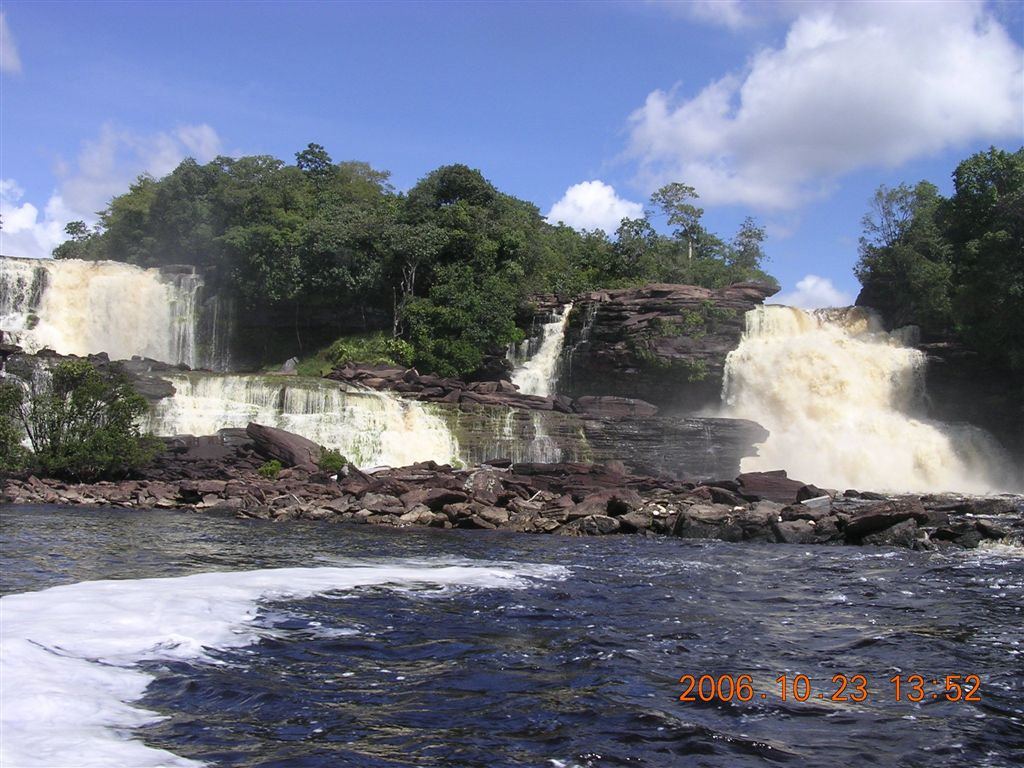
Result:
pixel 793 113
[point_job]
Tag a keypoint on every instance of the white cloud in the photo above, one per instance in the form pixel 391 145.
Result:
pixel 9 59
pixel 814 292
pixel 108 164
pixel 593 205
pixel 24 232
pixel 731 14
pixel 104 168
pixel 855 85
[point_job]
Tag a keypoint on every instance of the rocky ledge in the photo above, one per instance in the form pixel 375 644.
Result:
pixel 662 343
pixel 221 474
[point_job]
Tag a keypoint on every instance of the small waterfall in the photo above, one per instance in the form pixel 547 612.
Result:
pixel 582 340
pixel 536 372
pixel 837 394
pixel 83 307
pixel 515 434
pixel 369 428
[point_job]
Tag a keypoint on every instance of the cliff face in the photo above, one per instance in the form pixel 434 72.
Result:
pixel 492 420
pixel 683 449
pixel 963 387
pixel 665 344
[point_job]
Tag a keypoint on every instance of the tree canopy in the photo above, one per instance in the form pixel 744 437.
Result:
pixel 450 263
pixel 954 266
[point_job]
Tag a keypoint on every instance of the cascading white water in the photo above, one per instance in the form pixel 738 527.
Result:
pixel 538 374
pixel 836 391
pixel 82 307
pixel 369 428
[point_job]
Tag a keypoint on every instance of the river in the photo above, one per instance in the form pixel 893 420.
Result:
pixel 146 638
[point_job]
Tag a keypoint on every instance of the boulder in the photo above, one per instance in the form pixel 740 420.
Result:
pixel 290 449
pixel 773 486
pixel 433 498
pixel 903 534
pixel 877 517
pixel 795 532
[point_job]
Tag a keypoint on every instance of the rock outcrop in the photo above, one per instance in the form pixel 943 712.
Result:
pixel 290 449
pixel 492 419
pixel 662 343
pixel 220 474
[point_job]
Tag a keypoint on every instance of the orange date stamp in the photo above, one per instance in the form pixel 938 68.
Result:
pixel 851 688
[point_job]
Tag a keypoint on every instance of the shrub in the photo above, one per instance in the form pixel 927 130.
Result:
pixel 270 469
pixel 331 461
pixel 84 425
pixel 379 349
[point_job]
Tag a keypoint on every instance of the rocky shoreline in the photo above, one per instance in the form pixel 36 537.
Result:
pixel 221 474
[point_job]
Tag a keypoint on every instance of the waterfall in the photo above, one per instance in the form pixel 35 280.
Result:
pixel 538 373
pixel 83 307
pixel 838 394
pixel 369 428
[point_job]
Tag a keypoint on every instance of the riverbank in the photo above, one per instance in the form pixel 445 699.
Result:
pixel 221 474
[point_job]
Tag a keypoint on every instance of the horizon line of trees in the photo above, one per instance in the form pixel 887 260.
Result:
pixel 447 266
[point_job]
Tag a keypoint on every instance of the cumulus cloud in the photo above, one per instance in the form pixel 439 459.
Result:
pixel 855 85
pixel 9 59
pixel 593 205
pixel 104 168
pixel 814 292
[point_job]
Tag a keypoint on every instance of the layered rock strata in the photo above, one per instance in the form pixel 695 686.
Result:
pixel 662 343
pixel 493 419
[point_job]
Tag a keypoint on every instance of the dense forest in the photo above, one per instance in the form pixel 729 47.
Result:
pixel 953 266
pixel 442 272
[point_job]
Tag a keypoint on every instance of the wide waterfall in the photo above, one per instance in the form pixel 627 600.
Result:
pixel 82 307
pixel 838 395
pixel 369 428
pixel 536 372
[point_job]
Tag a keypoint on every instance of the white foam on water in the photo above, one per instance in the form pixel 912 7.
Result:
pixel 69 655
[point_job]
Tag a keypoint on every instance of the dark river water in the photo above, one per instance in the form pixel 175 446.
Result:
pixel 167 638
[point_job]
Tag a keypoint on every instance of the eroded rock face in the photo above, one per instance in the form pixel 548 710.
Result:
pixel 662 343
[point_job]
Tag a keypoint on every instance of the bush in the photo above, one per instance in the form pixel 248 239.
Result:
pixel 84 425
pixel 376 349
pixel 331 461
pixel 271 469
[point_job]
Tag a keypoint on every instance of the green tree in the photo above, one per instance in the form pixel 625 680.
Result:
pixel 954 267
pixel 84 424
pixel 986 230
pixel 83 242
pixel 674 201
pixel 747 252
pixel 905 259
pixel 12 454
